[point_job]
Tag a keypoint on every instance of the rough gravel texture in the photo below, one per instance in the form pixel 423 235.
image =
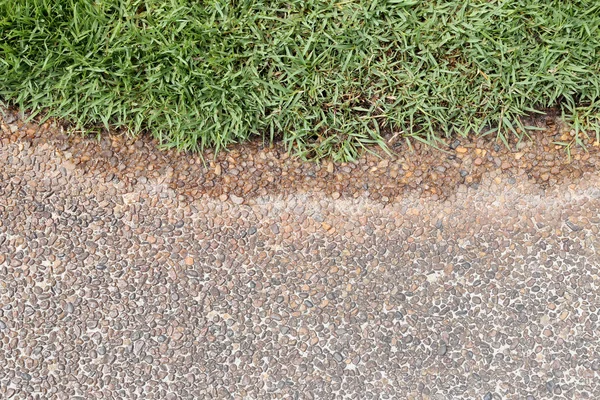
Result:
pixel 130 283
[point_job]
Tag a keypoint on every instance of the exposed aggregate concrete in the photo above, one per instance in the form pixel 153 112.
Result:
pixel 125 284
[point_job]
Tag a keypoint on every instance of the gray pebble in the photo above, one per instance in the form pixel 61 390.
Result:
pixel 442 349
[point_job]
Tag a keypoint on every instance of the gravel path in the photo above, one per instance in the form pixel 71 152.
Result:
pixel 113 288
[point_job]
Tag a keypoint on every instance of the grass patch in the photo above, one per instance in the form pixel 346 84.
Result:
pixel 326 77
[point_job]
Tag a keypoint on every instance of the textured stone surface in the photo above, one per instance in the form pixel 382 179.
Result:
pixel 120 285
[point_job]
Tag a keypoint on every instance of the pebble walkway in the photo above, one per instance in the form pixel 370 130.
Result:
pixel 114 290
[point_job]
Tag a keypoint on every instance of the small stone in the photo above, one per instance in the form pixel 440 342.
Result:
pixel 223 197
pixel 573 227
pixel 189 261
pixel 443 349
pixel 461 150
pixel 2 325
pixel 463 173
pixel 252 230
pixel 335 195
pixel 383 163
pixel 557 390
pixel 548 333
pixel 338 357
pixel 454 145
pixel 478 161
pixel 488 396
pixel 236 200
pixel 9 118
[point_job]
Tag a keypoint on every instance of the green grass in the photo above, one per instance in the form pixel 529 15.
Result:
pixel 329 78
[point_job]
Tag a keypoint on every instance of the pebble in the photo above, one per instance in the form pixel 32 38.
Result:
pixel 235 199
pixel 442 350
pixel 573 227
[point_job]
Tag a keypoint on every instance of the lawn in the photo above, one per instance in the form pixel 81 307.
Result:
pixel 329 78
